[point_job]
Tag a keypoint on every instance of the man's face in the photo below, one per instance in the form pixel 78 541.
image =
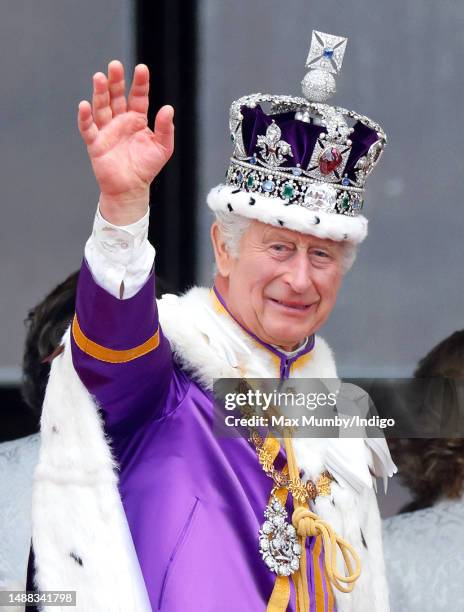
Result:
pixel 283 285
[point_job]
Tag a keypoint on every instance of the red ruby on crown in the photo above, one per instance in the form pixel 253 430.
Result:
pixel 329 160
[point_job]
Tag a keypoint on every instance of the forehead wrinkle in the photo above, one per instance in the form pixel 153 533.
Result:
pixel 275 233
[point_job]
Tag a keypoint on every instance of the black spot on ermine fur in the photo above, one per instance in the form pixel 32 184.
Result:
pixel 76 558
pixel 363 540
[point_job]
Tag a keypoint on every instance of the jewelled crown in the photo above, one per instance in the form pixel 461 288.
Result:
pixel 302 164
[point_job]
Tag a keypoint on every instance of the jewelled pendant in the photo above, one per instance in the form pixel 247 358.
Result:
pixel 278 542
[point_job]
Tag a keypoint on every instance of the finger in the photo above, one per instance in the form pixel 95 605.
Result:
pixel 86 124
pixel 101 108
pixel 138 95
pixel 164 128
pixel 116 86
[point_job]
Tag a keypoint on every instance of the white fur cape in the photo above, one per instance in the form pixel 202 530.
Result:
pixel 80 534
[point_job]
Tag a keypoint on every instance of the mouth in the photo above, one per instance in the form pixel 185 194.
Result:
pixel 291 306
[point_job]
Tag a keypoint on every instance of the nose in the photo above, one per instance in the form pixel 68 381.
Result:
pixel 298 275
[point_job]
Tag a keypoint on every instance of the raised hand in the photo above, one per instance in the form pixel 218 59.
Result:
pixel 125 153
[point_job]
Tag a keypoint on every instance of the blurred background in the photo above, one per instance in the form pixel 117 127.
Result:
pixel 403 68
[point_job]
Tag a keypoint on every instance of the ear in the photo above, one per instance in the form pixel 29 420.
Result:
pixel 221 254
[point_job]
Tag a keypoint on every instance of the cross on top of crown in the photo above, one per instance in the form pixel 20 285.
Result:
pixel 326 52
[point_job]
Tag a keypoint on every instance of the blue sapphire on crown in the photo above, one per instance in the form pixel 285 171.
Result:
pixel 328 52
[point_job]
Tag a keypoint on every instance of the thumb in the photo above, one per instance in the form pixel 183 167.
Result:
pixel 164 128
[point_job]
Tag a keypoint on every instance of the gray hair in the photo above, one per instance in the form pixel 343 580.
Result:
pixel 233 227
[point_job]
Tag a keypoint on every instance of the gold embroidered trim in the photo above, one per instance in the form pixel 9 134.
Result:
pixel 111 355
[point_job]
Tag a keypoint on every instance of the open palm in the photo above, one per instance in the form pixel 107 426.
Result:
pixel 125 153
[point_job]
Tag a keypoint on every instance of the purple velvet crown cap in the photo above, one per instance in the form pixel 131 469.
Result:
pixel 302 136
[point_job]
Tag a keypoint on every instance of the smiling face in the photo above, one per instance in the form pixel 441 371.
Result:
pixel 283 284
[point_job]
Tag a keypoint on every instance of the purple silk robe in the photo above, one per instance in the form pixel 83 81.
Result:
pixel 194 502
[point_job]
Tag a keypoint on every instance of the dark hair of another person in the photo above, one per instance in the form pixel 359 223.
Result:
pixel 45 325
pixel 433 468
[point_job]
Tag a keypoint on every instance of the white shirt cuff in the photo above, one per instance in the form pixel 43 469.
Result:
pixel 120 256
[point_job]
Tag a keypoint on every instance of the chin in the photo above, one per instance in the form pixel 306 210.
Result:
pixel 287 327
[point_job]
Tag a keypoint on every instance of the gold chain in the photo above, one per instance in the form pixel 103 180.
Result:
pixel 301 491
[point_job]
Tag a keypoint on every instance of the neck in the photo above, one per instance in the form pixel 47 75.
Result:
pixel 290 350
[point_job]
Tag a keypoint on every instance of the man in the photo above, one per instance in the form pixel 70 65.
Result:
pixel 194 502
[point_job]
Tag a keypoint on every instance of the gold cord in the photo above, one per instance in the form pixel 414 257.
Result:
pixel 308 524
